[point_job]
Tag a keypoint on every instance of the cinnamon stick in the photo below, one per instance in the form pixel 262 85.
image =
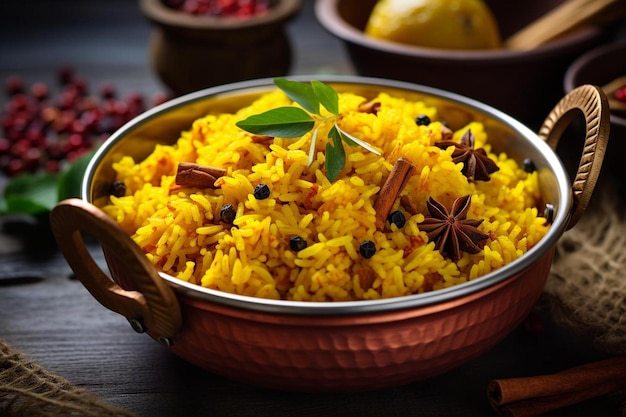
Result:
pixel 194 175
pixel 398 177
pixel 533 396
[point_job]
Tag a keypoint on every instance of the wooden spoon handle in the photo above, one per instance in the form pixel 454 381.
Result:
pixel 569 15
pixel 151 304
pixel 592 102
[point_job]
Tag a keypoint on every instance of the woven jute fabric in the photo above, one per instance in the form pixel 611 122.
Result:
pixel 587 283
pixel 28 390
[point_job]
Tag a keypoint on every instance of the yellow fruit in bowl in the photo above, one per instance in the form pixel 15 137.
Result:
pixel 443 24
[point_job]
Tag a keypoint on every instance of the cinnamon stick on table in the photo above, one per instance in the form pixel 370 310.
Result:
pixel 393 185
pixel 533 396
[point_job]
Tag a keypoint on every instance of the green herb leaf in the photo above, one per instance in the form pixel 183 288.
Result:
pixel 30 194
pixel 301 93
pixel 284 122
pixel 294 122
pixel 354 141
pixel 327 96
pixel 335 155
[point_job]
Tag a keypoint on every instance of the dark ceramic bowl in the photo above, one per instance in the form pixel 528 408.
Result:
pixel 600 66
pixel 524 84
pixel 190 52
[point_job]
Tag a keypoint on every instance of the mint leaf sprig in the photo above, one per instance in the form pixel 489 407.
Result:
pixel 294 122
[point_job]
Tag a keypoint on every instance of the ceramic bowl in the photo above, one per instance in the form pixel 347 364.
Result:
pixel 326 346
pixel 524 84
pixel 190 52
pixel 600 67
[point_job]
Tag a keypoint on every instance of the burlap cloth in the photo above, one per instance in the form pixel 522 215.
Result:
pixel 586 288
pixel 28 390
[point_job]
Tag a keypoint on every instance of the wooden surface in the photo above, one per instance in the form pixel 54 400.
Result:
pixel 51 318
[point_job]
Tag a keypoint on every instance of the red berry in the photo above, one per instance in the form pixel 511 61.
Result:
pixel 65 74
pixel 14 85
pixel 107 91
pixel 14 167
pixel 5 145
pixel 39 91
pixel 159 98
pixel 52 166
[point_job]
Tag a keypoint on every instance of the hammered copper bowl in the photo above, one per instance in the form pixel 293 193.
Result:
pixel 523 83
pixel 317 346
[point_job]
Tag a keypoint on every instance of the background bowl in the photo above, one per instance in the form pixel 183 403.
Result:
pixel 524 84
pixel 190 52
pixel 314 346
pixel 599 67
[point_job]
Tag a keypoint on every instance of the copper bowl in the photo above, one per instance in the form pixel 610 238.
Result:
pixel 317 346
pixel 523 83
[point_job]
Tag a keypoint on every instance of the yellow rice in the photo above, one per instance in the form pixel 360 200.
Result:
pixel 181 233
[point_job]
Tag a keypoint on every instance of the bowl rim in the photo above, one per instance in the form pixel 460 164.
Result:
pixel 328 16
pixel 586 59
pixel 456 292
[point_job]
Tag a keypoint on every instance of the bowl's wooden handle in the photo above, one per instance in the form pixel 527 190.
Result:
pixel 153 306
pixel 591 101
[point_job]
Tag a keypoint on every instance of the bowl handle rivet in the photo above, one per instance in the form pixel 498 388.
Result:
pixel 164 341
pixel 137 325
pixel 548 213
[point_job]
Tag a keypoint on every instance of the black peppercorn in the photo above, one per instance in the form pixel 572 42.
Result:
pixel 118 189
pixel 529 165
pixel 367 249
pixel 397 218
pixel 228 213
pixel 422 120
pixel 297 243
pixel 261 191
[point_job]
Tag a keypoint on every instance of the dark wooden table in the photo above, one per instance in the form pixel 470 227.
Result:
pixel 52 319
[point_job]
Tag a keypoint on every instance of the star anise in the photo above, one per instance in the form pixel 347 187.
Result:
pixel 476 164
pixel 451 231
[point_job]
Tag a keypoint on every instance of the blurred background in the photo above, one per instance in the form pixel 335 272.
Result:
pixel 109 40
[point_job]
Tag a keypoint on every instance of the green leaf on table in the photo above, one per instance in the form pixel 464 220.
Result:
pixel 72 178
pixel 327 96
pixel 30 194
pixel 284 122
pixel 301 93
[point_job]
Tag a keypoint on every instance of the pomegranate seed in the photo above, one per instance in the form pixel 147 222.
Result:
pixel 159 98
pixel 5 145
pixel 14 85
pixel 39 132
pixel 32 159
pixel 39 91
pixel 20 147
pixel 107 91
pixel 14 167
pixel 65 74
pixel 52 166
pixel 79 84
